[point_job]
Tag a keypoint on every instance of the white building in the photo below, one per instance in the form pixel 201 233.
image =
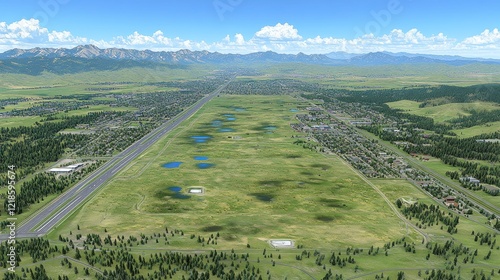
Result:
pixel 61 170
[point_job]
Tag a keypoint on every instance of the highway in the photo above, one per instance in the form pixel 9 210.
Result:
pixel 461 191
pixel 52 214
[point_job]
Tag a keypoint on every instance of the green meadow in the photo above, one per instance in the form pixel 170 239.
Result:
pixel 442 113
pixel 260 185
pixel 258 182
pixel 478 130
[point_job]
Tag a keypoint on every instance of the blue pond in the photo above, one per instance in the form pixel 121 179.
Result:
pixel 200 158
pixel 294 110
pixel 173 164
pixel 217 123
pixel 226 129
pixel 239 109
pixel 229 117
pixel 205 165
pixel 270 127
pixel 200 138
pixel 175 189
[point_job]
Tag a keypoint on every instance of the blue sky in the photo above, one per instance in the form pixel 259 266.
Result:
pixel 462 27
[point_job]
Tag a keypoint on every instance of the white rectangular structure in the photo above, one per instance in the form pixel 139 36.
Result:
pixel 282 243
pixel 196 191
pixel 61 170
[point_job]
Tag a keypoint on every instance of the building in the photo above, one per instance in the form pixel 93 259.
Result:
pixel 450 201
pixel 61 170
pixel 471 180
pixel 75 166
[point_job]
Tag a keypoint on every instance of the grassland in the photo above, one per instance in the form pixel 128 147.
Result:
pixel 393 76
pixel 261 187
pixel 130 80
pixel 19 121
pixel 478 130
pixel 442 113
pixel 93 109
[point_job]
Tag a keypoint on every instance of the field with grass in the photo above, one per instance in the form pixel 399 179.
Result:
pixel 94 109
pixel 442 113
pixel 257 185
pixel 19 121
pixel 478 130
pixel 378 77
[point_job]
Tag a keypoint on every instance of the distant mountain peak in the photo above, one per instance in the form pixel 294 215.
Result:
pixel 186 56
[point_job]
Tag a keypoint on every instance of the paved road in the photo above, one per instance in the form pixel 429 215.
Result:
pixel 45 219
pixel 425 236
pixel 463 192
pixel 391 205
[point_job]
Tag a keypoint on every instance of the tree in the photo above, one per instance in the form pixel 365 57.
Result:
pixel 399 203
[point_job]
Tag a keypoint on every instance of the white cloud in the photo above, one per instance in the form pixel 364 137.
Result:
pixel 283 38
pixel 486 37
pixel 239 39
pixel 28 33
pixel 279 32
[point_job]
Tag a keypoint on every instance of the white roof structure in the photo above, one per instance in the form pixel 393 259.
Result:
pixel 61 170
pixel 282 243
pixel 74 166
pixel 196 190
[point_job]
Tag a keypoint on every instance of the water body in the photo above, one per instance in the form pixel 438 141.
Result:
pixel 240 109
pixel 294 110
pixel 173 164
pixel 229 117
pixel 200 158
pixel 175 189
pixel 217 123
pixel 200 138
pixel 270 127
pixel 205 165
pixel 226 129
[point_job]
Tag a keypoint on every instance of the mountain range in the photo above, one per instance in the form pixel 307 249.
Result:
pixel 178 57
pixel 113 58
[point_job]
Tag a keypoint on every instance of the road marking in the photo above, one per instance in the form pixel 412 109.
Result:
pixel 61 211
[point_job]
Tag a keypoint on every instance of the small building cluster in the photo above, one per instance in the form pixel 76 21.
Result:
pixel 66 169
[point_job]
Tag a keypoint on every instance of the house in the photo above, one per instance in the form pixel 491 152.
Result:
pixel 356 123
pixel 423 183
pixel 75 166
pixel 450 201
pixel 61 170
pixel 471 180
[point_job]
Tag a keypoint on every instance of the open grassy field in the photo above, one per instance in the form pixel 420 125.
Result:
pixel 93 109
pixel 261 186
pixel 393 76
pixel 442 113
pixel 19 121
pixel 478 130
pixel 124 81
